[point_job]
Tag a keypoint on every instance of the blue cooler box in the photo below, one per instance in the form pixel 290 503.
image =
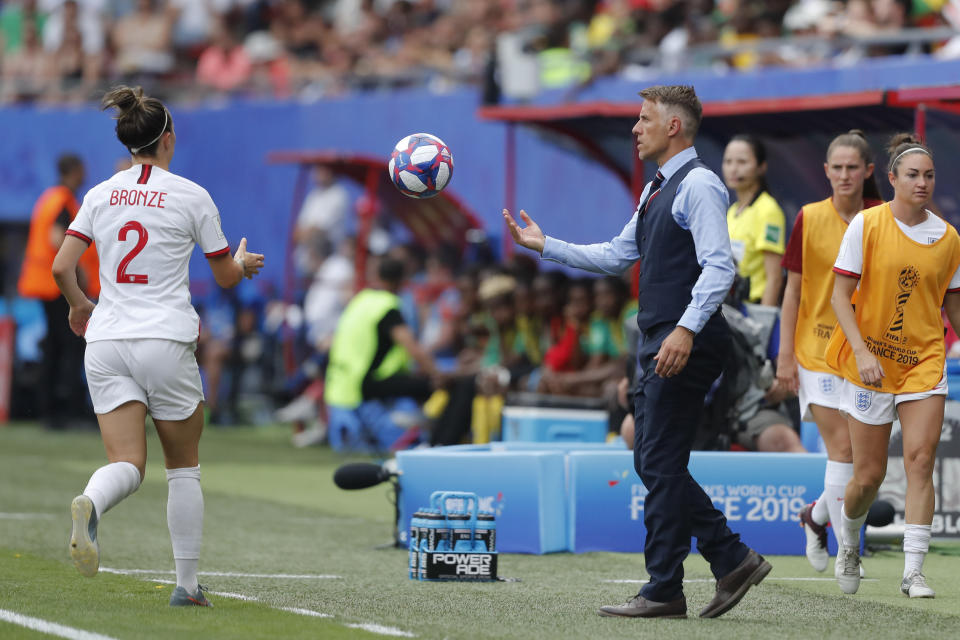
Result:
pixel 542 424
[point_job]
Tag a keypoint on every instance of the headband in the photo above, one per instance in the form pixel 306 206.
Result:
pixel 897 159
pixel 134 150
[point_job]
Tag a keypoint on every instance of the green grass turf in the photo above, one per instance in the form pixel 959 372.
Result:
pixel 273 509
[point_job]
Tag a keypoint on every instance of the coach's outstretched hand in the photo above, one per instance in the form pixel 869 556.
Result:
pixel 251 263
pixel 530 237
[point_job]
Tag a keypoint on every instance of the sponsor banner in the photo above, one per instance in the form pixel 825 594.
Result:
pixel 449 565
pixel 760 494
pixel 946 476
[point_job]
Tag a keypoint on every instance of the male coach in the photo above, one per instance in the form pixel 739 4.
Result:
pixel 679 235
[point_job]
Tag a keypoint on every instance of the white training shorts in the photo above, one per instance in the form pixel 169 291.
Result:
pixel 816 387
pixel 162 374
pixel 876 407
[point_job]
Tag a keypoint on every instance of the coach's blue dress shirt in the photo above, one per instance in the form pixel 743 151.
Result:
pixel 700 207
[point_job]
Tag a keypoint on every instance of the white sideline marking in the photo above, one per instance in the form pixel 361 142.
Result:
pixel 51 628
pixel 26 516
pixel 382 630
pixel 767 579
pixel 224 574
pixel 305 612
pixel 366 626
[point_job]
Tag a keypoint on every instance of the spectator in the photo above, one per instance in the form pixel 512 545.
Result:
pixel 439 303
pixel 143 41
pixel 570 353
pixel 13 18
pixel 73 72
pixel 86 19
pixel 224 65
pixel 321 221
pixel 270 74
pixel 756 223
pixel 25 71
pixel 328 294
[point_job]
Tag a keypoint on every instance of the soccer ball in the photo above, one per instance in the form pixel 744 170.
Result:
pixel 421 165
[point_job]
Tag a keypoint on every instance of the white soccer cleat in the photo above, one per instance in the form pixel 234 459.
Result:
pixel 863 574
pixel 84 549
pixel 847 568
pixel 816 534
pixel 915 586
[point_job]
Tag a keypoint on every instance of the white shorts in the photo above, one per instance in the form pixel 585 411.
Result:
pixel 816 387
pixel 162 374
pixel 876 407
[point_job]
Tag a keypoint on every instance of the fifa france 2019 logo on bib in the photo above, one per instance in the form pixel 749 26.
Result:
pixel 863 400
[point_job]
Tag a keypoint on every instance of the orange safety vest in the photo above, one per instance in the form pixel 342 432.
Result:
pixel 36 276
pixel 823 230
pixel 901 291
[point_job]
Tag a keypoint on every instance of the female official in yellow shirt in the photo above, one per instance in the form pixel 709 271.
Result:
pixel 755 221
pixel 902 261
pixel 807 321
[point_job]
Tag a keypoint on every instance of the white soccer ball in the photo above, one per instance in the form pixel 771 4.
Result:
pixel 421 165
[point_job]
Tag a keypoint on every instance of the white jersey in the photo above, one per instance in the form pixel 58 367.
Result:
pixel 850 257
pixel 145 222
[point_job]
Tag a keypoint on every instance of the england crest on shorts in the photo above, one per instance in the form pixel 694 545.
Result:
pixel 827 384
pixel 863 400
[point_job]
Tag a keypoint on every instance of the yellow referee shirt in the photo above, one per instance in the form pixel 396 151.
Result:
pixel 760 227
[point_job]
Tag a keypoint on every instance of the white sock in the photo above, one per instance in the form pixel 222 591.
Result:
pixel 916 543
pixel 835 480
pixel 850 529
pixel 819 513
pixel 110 484
pixel 185 521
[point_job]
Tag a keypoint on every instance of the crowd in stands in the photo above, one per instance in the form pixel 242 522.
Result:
pixel 67 50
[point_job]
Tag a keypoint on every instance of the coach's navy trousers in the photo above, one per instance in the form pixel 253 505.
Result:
pixel 667 411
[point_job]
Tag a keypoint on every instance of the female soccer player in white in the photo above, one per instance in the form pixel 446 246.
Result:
pixel 142 333
pixel 902 261
pixel 807 322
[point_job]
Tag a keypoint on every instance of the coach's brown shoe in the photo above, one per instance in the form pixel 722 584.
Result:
pixel 640 607
pixel 732 587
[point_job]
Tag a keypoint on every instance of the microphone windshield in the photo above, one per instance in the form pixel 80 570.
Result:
pixel 359 475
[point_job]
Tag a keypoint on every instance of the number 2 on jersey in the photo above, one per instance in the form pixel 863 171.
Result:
pixel 122 276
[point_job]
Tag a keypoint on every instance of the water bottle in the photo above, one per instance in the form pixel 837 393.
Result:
pixel 430 520
pixel 416 522
pixel 485 534
pixel 461 531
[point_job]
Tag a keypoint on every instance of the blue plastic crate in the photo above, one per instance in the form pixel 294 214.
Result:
pixel 541 424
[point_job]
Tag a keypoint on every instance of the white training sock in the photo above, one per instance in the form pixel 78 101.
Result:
pixel 850 529
pixel 819 513
pixel 916 543
pixel 835 480
pixel 110 484
pixel 185 521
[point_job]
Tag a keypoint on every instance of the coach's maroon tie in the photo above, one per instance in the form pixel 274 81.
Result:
pixel 654 190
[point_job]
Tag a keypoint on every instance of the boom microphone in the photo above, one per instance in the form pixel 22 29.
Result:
pixel 360 475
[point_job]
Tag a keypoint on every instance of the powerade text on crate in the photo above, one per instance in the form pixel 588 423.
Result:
pixel 452 539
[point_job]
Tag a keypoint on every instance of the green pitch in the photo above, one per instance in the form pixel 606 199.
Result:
pixel 302 554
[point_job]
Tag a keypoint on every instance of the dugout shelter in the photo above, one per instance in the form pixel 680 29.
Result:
pixel 796 131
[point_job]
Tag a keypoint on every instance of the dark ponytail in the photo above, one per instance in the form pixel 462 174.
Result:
pixel 857 139
pixel 759 154
pixel 141 120
pixel 902 142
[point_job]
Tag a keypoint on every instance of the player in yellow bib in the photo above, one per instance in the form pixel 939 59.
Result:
pixel 902 261
pixel 807 321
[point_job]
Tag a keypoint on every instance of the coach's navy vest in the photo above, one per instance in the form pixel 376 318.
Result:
pixel 668 257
